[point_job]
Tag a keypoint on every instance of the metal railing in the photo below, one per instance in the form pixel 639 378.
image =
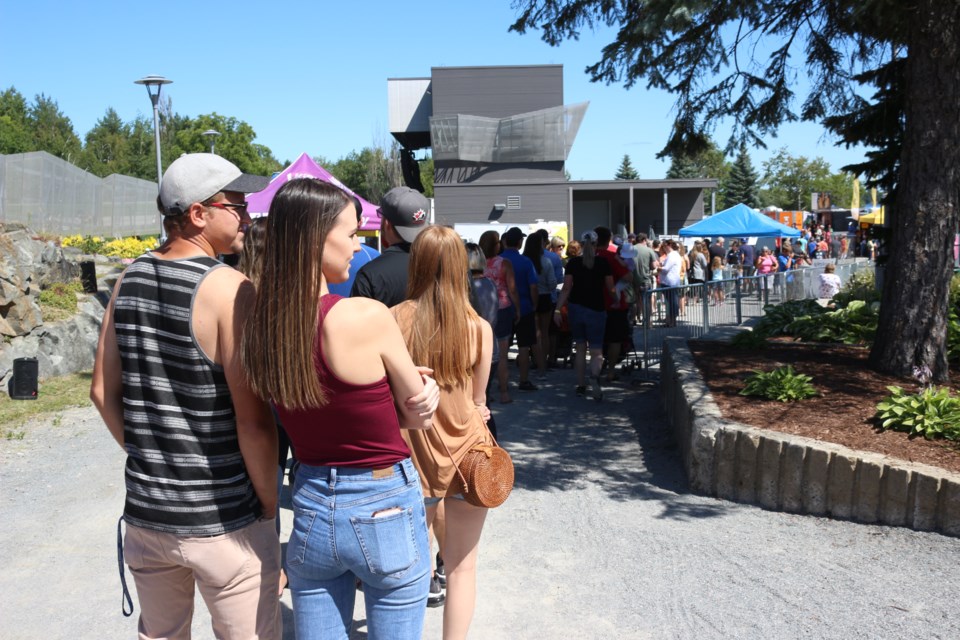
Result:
pixel 690 311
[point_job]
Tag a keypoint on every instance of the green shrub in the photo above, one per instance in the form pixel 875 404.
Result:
pixel 782 384
pixel 59 300
pixel 853 324
pixel 955 292
pixel 776 318
pixel 750 340
pixel 86 244
pixel 932 413
pixel 860 286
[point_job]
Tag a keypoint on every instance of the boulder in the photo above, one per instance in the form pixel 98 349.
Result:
pixel 20 317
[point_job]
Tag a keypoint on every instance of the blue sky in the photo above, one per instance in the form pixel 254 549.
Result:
pixel 312 76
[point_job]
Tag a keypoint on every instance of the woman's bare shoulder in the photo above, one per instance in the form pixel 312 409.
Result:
pixel 359 312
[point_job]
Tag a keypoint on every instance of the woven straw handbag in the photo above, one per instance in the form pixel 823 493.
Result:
pixel 486 472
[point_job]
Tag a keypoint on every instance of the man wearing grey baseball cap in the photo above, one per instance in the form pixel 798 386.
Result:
pixel 201 447
pixel 404 213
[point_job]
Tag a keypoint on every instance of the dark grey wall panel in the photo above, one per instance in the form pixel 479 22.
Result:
pixel 684 206
pixel 496 92
pixel 475 203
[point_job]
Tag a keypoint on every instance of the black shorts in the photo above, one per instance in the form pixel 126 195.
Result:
pixel 545 303
pixel 617 327
pixel 526 330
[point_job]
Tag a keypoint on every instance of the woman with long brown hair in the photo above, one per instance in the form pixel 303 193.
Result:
pixel 333 367
pixel 443 331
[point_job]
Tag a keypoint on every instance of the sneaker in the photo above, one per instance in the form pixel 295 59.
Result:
pixel 581 389
pixel 526 385
pixel 436 597
pixel 596 389
pixel 441 573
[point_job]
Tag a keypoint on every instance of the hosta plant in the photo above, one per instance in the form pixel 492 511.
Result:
pixel 932 413
pixel 782 384
pixel 750 340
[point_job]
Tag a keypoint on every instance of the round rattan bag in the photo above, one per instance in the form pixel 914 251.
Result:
pixel 487 475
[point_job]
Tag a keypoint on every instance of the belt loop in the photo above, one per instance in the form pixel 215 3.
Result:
pixel 332 475
pixel 407 469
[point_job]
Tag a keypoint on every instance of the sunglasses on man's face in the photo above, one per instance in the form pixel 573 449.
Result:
pixel 239 208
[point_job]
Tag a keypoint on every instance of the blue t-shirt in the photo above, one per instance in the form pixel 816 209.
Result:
pixel 557 264
pixel 365 255
pixel 525 275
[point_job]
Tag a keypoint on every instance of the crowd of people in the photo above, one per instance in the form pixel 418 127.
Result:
pixel 371 371
pixel 201 371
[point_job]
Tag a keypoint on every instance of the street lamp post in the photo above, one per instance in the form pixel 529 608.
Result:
pixel 149 82
pixel 212 135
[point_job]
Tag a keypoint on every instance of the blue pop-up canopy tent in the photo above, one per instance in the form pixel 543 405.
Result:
pixel 739 221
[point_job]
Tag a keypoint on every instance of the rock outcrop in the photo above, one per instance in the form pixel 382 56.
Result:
pixel 28 265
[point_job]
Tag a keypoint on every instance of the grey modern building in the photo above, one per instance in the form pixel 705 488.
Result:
pixel 500 137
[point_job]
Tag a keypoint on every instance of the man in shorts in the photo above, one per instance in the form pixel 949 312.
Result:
pixel 201 447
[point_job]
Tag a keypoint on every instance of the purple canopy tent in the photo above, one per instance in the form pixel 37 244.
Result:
pixel 305 167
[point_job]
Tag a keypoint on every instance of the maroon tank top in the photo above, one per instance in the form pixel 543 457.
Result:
pixel 358 427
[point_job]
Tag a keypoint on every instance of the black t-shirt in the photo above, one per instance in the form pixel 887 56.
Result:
pixel 588 284
pixel 385 277
pixel 734 257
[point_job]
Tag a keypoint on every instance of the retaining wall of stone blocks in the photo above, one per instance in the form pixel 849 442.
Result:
pixel 784 472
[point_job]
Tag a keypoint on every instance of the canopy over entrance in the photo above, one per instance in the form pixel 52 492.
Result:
pixel 305 167
pixel 739 221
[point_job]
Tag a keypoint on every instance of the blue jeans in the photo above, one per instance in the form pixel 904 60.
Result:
pixel 365 523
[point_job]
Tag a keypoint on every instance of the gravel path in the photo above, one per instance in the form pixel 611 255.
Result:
pixel 599 540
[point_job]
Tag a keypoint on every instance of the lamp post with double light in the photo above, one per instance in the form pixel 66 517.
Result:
pixel 150 82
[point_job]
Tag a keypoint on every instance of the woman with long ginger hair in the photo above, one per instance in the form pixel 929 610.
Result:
pixel 444 332
pixel 333 367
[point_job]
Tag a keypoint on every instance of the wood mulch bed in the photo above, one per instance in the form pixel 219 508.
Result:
pixel 842 414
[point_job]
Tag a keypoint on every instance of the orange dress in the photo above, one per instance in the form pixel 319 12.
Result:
pixel 457 421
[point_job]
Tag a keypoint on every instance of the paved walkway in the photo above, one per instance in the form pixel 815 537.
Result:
pixel 599 540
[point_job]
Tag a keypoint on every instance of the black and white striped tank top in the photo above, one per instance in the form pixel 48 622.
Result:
pixel 184 472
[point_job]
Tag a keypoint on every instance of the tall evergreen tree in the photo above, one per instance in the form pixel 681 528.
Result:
pixel 683 167
pixel 737 60
pixel 52 130
pixel 742 185
pixel 15 134
pixel 626 170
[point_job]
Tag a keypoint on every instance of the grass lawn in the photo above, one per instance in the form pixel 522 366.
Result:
pixel 56 395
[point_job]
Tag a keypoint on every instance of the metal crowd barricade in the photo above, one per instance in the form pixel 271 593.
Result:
pixel 690 311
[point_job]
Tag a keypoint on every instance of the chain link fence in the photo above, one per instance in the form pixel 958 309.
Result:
pixel 52 196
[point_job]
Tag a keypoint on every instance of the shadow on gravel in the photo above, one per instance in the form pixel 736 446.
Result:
pixel 562 442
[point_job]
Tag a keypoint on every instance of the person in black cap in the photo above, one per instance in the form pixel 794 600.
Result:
pixel 525 330
pixel 404 213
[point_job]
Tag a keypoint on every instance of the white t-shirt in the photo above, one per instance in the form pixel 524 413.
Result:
pixel 829 285
pixel 670 275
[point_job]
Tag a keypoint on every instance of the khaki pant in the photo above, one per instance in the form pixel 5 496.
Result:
pixel 237 573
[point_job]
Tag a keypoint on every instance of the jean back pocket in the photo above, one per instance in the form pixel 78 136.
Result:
pixel 389 543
